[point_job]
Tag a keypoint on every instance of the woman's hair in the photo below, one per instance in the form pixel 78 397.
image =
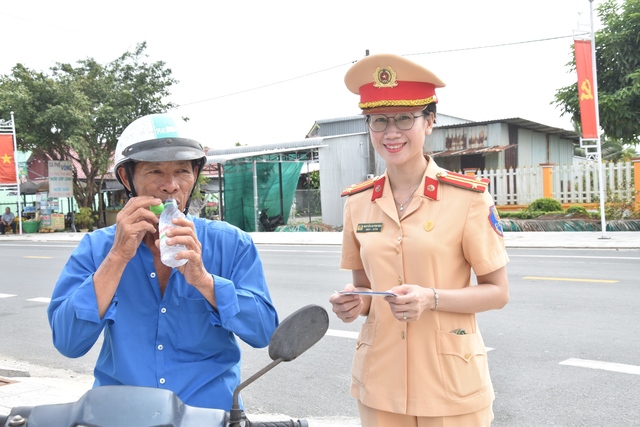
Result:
pixel 430 108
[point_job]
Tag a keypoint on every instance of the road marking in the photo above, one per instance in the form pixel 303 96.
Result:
pixel 354 335
pixel 576 256
pixel 6 295
pixel 342 334
pixel 605 366
pixel 40 299
pixel 568 279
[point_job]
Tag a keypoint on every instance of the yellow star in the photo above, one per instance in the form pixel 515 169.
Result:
pixel 6 159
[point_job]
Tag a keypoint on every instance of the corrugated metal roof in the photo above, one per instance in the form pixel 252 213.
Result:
pixel 223 156
pixel 480 150
pixel 527 124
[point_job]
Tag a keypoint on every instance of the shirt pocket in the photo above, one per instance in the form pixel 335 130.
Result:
pixel 362 356
pixel 463 364
pixel 196 335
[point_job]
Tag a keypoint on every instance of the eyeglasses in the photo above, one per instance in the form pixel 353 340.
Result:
pixel 403 121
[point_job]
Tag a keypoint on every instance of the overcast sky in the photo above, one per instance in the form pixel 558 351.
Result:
pixel 260 72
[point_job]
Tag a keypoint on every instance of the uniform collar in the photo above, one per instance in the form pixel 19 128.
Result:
pixel 430 187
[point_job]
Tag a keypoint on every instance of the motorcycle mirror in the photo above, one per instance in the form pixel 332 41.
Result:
pixel 293 336
pixel 298 332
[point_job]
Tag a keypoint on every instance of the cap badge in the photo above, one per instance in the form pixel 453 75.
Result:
pixel 384 77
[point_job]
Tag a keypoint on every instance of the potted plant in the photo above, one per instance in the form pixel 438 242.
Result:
pixel 85 218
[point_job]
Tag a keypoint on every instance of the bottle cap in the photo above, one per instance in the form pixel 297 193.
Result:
pixel 157 209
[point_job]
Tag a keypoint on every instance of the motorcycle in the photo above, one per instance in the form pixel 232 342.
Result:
pixel 133 406
pixel 270 223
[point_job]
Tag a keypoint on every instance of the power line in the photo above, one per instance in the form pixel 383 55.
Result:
pixel 352 62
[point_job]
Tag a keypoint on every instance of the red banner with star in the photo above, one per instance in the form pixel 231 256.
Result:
pixel 7 160
pixel 586 89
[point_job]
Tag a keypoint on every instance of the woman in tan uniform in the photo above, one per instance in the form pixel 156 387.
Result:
pixel 417 231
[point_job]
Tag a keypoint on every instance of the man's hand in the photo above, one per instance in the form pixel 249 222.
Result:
pixel 185 234
pixel 194 270
pixel 132 223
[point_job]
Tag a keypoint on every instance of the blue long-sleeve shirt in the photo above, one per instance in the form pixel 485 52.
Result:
pixel 176 341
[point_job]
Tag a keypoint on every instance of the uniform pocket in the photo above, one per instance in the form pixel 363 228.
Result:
pixel 463 364
pixel 361 359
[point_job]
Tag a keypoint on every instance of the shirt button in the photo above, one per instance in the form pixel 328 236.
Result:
pixel 163 310
pixel 160 347
pixel 399 280
pixel 153 275
pixel 399 238
pixel 162 381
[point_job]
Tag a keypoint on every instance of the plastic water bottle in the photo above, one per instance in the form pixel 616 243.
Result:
pixel 168 252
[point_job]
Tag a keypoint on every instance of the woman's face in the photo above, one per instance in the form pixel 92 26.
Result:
pixel 401 147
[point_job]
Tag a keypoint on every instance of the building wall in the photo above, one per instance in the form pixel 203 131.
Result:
pixel 343 162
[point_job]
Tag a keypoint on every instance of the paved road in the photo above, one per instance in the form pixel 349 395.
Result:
pixel 562 352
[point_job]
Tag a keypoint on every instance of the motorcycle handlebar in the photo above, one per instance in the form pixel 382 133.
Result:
pixel 290 423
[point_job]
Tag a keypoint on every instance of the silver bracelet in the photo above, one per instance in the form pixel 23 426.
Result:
pixel 435 299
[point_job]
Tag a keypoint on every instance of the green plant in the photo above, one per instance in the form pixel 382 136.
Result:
pixel 545 204
pixel 85 218
pixel 577 210
pixel 622 204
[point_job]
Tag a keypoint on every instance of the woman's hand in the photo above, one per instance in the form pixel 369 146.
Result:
pixel 410 301
pixel 347 307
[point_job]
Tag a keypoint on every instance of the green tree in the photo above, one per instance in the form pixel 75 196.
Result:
pixel 77 112
pixel 618 71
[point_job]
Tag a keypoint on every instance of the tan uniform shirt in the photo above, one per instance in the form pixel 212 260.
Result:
pixel 421 368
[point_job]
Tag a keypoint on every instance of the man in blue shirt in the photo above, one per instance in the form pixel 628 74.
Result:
pixel 7 221
pixel 172 328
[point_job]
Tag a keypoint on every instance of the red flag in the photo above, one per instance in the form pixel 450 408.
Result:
pixel 586 89
pixel 7 160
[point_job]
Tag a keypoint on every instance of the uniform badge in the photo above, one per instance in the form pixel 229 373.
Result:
pixel 494 219
pixel 374 227
pixel 384 77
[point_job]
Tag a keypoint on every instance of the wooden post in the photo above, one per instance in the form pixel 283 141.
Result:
pixel 636 180
pixel 547 180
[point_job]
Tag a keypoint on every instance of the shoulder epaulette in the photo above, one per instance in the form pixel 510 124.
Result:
pixel 357 188
pixel 463 181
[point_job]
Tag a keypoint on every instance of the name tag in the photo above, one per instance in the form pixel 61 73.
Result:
pixel 375 227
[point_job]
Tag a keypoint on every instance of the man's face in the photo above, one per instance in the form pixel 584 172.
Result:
pixel 165 180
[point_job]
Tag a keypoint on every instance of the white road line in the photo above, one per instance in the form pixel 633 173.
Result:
pixel 354 335
pixel 40 299
pixel 575 256
pixel 606 366
pixel 6 295
pixel 342 334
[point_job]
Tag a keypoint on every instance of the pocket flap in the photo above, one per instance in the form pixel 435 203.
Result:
pixel 463 346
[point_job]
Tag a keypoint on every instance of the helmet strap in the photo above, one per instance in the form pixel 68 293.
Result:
pixel 128 169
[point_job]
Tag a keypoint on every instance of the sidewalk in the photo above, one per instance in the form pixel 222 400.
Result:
pixel 23 384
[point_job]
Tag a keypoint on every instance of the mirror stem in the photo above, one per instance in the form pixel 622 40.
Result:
pixel 235 409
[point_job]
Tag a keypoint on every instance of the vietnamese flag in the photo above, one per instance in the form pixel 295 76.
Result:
pixel 586 89
pixel 7 160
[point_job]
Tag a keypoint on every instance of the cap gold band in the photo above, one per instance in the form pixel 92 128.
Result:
pixel 397 103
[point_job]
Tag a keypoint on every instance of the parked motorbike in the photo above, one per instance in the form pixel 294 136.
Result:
pixel 270 223
pixel 130 406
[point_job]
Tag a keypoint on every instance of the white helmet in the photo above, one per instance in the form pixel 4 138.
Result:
pixel 156 138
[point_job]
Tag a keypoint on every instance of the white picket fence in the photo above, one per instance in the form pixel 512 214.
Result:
pixel 577 183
